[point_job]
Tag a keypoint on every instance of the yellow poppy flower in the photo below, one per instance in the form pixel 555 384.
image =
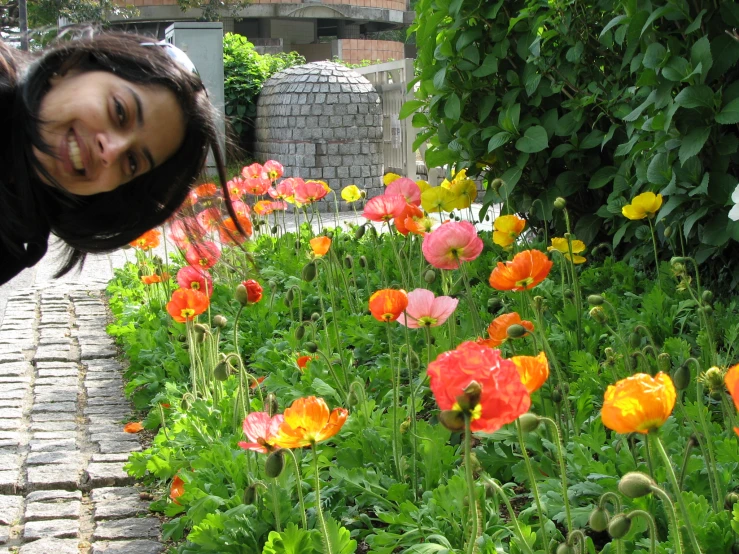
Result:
pixel 560 244
pixel 389 178
pixel 351 193
pixel 423 186
pixel 506 229
pixel 438 199
pixel 645 205
pixel 638 403
pixel 466 192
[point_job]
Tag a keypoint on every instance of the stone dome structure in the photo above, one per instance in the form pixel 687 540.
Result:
pixel 322 121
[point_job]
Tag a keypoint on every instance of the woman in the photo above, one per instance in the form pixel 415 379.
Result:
pixel 100 140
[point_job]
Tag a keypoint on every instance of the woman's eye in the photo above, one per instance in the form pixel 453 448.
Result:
pixel 120 112
pixel 132 164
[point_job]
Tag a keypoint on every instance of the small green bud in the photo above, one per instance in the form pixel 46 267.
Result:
pixel 274 464
pixel 707 296
pixel 220 321
pixel 599 315
pixel 516 331
pixel 635 339
pixel 494 305
pixel 329 234
pixel 270 402
pixel 565 548
pixel 560 203
pixel 470 397
pixel 250 494
pixel 664 362
pixel 619 526
pixel 359 232
pixel 595 300
pixel 495 184
pixel 363 262
pixel 182 338
pixel 599 519
pixel 300 332
pixel 348 261
pixel 311 347
pixel 609 352
pixel 272 284
pixel 290 296
pixel 429 276
pixel 557 396
pixel 405 426
pixel 635 484
pixel 668 231
pixel 569 295
pixel 730 499
pixel 529 422
pixel 309 272
pixel 315 316
pixel 707 309
pixel 273 229
pixel 452 420
pixel 221 371
pixel 241 295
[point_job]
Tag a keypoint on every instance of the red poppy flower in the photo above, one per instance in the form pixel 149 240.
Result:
pixel 525 271
pixel 176 489
pixel 203 255
pixel 186 304
pixel 253 291
pixel 384 208
pixel 189 277
pixel 411 212
pixel 147 241
pixel 503 396
pixel 133 427
pixel 387 304
pixel 302 361
pixel 498 329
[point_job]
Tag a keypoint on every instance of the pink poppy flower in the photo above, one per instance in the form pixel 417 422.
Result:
pixel 261 430
pixel 209 219
pixel 183 232
pixel 236 187
pixel 408 188
pixel 384 208
pixel 190 277
pixel 257 185
pixel 285 189
pixel 451 243
pixel 242 210
pixel 274 169
pixel 203 255
pixel 425 310
pixel 254 171
pixel 309 191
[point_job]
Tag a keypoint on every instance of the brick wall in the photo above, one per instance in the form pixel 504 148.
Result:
pixel 355 50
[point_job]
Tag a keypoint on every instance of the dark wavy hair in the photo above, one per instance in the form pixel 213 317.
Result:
pixel 105 221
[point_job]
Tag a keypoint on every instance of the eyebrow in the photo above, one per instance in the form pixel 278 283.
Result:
pixel 140 122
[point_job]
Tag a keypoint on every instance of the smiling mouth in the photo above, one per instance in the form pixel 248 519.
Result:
pixel 75 155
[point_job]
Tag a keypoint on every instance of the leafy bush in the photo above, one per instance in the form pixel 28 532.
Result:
pixel 594 101
pixel 245 71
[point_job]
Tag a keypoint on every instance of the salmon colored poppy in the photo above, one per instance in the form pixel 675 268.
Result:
pixel 498 329
pixel 307 422
pixel 273 169
pixel 203 255
pixel 176 489
pixel 503 397
pixel 206 190
pixel 256 382
pixel 186 304
pixel 320 245
pixel 534 370
pixel 285 190
pixel 507 228
pixel 309 191
pixel 452 243
pixel 261 430
pixel 525 271
pixel 257 185
pixel 385 207
pixel 147 241
pixel 209 219
pixel 302 361
pixel 236 187
pixel 254 171
pixel 133 427
pixel 189 277
pixel 184 232
pixel 387 304
pixel 639 403
pixel 407 188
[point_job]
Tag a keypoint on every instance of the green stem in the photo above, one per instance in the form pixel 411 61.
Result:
pixel 275 506
pixel 319 510
pixel 512 514
pixel 396 402
pixel 471 493
pixel 678 493
pixel 412 414
pixel 672 516
pixel 562 471
pixel 534 487
pixel 656 256
pixel 652 528
pixel 298 486
pixel 477 325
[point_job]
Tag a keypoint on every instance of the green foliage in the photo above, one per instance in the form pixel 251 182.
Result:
pixel 245 71
pixel 593 101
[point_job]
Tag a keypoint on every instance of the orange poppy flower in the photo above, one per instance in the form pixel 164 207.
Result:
pixel 133 427
pixel 258 381
pixel 206 190
pixel 525 271
pixel 186 304
pixel 176 489
pixel 387 304
pixel 151 279
pixel 507 228
pixel 320 245
pixel 534 370
pixel 732 385
pixel 147 241
pixel 308 421
pixel 638 403
pixel 302 361
pixel 498 329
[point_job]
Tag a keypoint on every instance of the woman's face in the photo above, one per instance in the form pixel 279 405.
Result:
pixel 104 131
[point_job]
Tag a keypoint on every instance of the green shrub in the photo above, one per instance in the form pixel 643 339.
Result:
pixel 595 101
pixel 245 71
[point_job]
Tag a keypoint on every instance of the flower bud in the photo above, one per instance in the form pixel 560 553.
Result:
pixel 599 315
pixel 569 295
pixel 634 339
pixel 565 548
pixel 635 484
pixel 289 297
pixel 309 272
pixel 315 316
pixel 273 229
pixel 272 284
pixel 664 362
pixel 619 526
pixel 452 420
pixel 495 184
pixel 329 234
pixel 494 305
pixel 250 494
pixel 405 426
pixel 362 262
pixel 599 519
pixel 707 309
pixel 270 402
pixel 470 397
pixel 529 422
pixel 274 464
pixel 539 303
pixel 714 378
pixel 560 203
pixel 348 261
pixel 707 296
pixel 359 232
pixel 668 231
pixel 516 331
pixel 595 300
pixel 609 352
pixel 730 499
pixel 220 321
pixel 182 338
pixel 300 332
pixel 429 276
pixel 240 295
pixel 311 347
pixel 221 371
pixel 557 396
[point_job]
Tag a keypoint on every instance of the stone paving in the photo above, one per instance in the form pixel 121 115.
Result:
pixel 62 449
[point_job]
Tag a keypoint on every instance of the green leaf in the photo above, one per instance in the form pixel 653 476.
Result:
pixel 508 118
pixel 696 96
pixel 702 188
pixel 534 140
pixel 499 140
pixel 673 202
pixel 488 67
pixel 693 143
pixel 659 171
pixel 654 55
pixel 453 107
pixel 440 78
pixel 561 150
pixel 718 229
pixel 693 218
pixel 409 107
pixel 602 177
pixel 729 114
pixel 700 54
pixel 695 25
pixel 292 540
pixel 339 538
pixel 592 140
pixel 619 234
pixel 612 23
pixel 439 157
pixel 575 53
pixel 486 106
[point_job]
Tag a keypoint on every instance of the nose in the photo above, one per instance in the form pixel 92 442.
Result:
pixel 110 147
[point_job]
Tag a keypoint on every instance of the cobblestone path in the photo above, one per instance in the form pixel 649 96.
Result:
pixel 62 449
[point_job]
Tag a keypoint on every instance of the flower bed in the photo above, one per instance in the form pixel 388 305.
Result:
pixel 510 401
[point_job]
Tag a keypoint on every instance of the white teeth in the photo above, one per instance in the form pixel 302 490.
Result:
pixel 74 153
